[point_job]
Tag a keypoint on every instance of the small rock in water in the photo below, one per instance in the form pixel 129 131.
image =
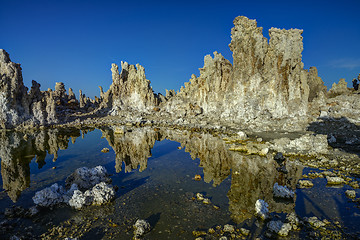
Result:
pixel 197 177
pixel 141 227
pixel 282 191
pixel 229 228
pixel 350 193
pixel 244 231
pixel 261 209
pixel 279 227
pixel 334 180
pixel 105 150
pixel 206 201
pixel 199 197
pixel 305 184
pixel 293 220
pixel 315 222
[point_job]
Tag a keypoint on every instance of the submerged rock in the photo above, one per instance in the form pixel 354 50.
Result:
pixel 282 191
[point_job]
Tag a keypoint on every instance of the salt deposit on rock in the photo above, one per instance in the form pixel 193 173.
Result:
pixel 100 194
pixel 141 227
pixel 92 181
pixel 86 178
pixel 49 196
pixel 279 228
pixel 282 191
pixel 261 209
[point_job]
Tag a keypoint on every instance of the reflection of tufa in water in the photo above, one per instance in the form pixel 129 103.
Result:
pixel 18 149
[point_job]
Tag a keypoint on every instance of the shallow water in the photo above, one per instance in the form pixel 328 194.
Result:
pixel 154 170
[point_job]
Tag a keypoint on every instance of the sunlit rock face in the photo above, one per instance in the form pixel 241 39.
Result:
pixel 206 93
pixel 17 150
pixel 133 148
pixel 35 107
pixel 130 90
pixel 13 94
pixel 265 84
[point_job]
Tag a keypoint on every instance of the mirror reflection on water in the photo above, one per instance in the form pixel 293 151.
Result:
pixel 155 171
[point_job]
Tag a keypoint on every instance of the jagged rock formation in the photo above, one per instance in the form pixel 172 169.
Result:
pixel 35 107
pixel 266 88
pixel 266 82
pixel 129 90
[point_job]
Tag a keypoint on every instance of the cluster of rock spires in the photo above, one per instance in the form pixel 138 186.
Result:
pixel 266 87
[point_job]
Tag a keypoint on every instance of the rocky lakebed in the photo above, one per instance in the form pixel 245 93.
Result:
pixel 124 182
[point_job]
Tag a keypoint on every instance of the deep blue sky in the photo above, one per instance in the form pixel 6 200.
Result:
pixel 75 42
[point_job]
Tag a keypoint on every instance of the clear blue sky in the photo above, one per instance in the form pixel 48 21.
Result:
pixel 75 42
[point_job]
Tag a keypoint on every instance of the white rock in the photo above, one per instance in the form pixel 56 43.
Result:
pixel 241 135
pixel 229 228
pixel 49 196
pixel 87 178
pixel 261 209
pixel 305 184
pixel 279 227
pixel 102 193
pixel 334 180
pixel 282 191
pixel 79 199
pixel 141 227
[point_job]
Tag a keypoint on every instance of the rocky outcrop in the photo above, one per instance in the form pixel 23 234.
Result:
pixel 34 108
pixel 14 106
pixel 266 83
pixel 266 88
pixel 130 90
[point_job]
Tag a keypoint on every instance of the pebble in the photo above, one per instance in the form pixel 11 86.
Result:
pixel 305 184
pixel 229 228
pixel 350 193
pixel 244 231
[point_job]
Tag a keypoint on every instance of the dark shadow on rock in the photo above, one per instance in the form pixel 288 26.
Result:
pixel 341 133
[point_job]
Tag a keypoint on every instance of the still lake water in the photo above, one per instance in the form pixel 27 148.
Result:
pixel 154 170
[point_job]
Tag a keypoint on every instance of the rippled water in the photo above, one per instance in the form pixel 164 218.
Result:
pixel 154 170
